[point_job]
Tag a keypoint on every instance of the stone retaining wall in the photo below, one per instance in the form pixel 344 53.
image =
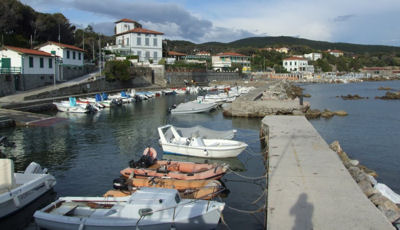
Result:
pixel 7 86
pixel 177 78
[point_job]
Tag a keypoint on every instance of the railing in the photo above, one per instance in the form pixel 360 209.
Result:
pixel 11 70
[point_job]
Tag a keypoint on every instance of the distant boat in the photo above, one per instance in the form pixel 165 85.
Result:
pixel 147 208
pixel 198 146
pixel 72 107
pixel 192 107
pixel 19 189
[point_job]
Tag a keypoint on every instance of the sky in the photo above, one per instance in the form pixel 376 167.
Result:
pixel 352 21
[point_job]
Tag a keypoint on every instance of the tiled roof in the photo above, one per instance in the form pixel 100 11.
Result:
pixel 140 30
pixel 126 20
pixel 28 51
pixel 62 45
pixel 174 53
pixel 295 58
pixel 231 54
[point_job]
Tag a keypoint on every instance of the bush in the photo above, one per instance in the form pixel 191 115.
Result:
pixel 117 70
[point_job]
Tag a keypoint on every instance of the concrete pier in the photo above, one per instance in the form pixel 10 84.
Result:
pixel 308 186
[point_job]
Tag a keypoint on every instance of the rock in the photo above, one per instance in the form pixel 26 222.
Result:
pixel 313 114
pixel 335 146
pixel 389 209
pixel 372 180
pixel 384 88
pixel 368 171
pixel 297 113
pixel 306 95
pixel 354 172
pixel 352 97
pixel 367 188
pixel 390 96
pixel 354 162
pixel 327 114
pixel 340 113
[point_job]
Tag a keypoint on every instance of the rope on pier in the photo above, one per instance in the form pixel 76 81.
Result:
pixel 248 177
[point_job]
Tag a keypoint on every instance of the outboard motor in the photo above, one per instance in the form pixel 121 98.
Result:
pixel 144 162
pixel 34 167
pixel 120 184
pixel 117 102
pixel 171 108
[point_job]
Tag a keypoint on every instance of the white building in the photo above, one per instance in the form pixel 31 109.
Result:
pixel 30 68
pixel 313 56
pixel 336 53
pixel 132 39
pixel 224 61
pixel 69 55
pixel 295 64
pixel 26 61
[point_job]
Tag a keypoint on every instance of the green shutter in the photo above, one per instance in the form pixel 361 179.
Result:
pixel 50 63
pixel 41 63
pixel 5 65
pixel 53 52
pixel 31 62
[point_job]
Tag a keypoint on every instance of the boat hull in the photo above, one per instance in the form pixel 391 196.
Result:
pixel 23 195
pixel 206 152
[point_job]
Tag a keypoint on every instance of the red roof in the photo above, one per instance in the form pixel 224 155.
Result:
pixel 231 54
pixel 334 51
pixel 62 45
pixel 295 58
pixel 126 20
pixel 140 30
pixel 28 51
pixel 174 53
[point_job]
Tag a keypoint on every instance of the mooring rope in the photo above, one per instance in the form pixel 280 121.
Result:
pixel 247 177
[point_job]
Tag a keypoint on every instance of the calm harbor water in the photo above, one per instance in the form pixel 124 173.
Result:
pixel 371 131
pixel 87 152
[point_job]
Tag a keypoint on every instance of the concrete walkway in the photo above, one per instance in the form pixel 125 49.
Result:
pixel 18 97
pixel 309 187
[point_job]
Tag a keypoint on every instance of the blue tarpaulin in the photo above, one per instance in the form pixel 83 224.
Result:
pixel 72 101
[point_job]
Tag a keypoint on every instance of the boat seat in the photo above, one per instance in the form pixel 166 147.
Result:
pixel 7 178
pixel 66 210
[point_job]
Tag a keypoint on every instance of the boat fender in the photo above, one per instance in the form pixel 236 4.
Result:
pixel 16 200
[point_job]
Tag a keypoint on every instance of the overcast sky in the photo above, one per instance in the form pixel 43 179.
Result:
pixel 353 21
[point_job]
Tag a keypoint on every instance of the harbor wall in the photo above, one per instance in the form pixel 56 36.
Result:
pixel 202 78
pixel 7 86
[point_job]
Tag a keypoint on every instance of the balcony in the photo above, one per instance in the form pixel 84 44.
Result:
pixel 11 70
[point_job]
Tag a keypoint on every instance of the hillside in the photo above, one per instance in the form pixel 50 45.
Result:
pixel 260 42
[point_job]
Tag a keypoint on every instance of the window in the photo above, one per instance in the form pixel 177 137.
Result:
pixel 147 41
pixel 177 198
pixel 53 52
pixel 147 54
pixel 139 53
pixel 154 41
pixel 73 55
pixel 155 55
pixel 67 54
pixel 50 63
pixel 139 41
pixel 31 62
pixel 127 41
pixel 41 63
pixel 79 56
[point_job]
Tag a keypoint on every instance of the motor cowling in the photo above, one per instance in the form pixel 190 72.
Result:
pixel 120 184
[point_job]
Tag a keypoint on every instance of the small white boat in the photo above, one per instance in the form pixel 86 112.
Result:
pixel 66 106
pixel 147 208
pixel 19 189
pixel 197 146
pixel 193 107
pixel 201 132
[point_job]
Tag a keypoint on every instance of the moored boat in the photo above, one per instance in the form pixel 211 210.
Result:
pixel 192 107
pixel 19 189
pixel 198 146
pixel 147 208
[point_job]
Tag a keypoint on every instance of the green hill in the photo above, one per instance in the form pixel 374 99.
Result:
pixel 261 42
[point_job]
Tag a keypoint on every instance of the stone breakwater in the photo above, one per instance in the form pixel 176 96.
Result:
pixel 365 179
pixel 273 98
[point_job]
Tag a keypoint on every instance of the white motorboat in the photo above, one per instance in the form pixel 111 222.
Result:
pixel 197 146
pixel 193 107
pixel 19 189
pixel 201 132
pixel 147 208
pixel 65 106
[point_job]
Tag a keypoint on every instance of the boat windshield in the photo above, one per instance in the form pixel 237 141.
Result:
pixel 177 198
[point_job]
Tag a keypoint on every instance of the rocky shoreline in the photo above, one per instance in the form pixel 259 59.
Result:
pixel 365 178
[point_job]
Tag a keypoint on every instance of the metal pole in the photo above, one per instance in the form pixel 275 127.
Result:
pixel 100 56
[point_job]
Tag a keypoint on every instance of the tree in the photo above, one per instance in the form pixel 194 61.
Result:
pixel 117 70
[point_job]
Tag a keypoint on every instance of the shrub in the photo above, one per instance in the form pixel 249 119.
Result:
pixel 117 70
